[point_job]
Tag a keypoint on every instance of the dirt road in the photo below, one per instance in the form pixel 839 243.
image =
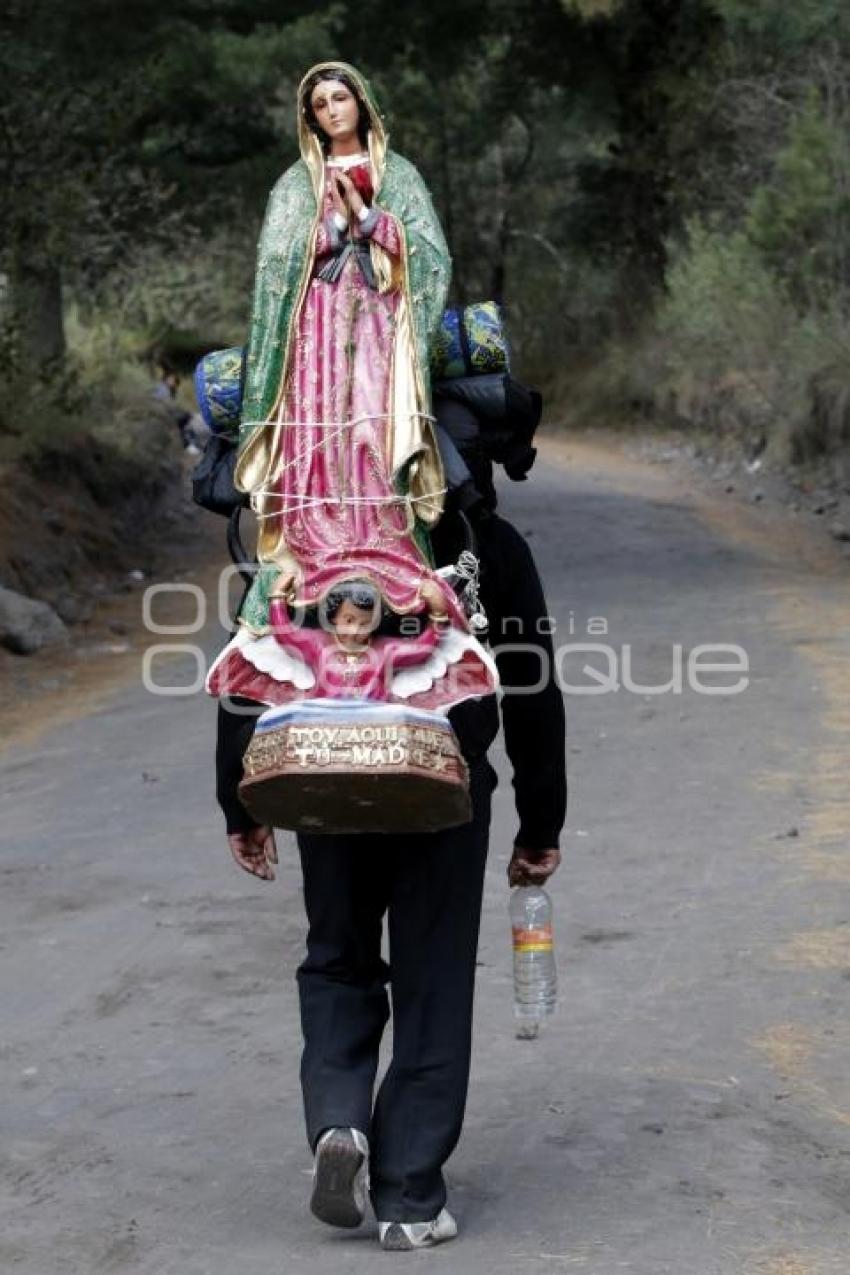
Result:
pixel 688 1112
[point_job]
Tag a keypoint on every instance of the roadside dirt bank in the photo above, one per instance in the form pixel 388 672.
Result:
pixel 56 538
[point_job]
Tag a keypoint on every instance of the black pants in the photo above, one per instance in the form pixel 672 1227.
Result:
pixel 430 886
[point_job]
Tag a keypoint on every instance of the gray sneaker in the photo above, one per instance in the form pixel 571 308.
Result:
pixel 340 1177
pixel 401 1236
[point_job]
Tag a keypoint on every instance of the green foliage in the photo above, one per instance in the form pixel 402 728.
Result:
pixel 740 359
pixel 720 297
pixel 223 126
pixel 729 333
pixel 593 8
pixel 205 290
pixel 801 220
pixel 784 27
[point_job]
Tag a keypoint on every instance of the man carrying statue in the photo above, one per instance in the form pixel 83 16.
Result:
pixel 358 695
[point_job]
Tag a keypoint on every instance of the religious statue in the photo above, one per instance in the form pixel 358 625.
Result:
pixel 338 452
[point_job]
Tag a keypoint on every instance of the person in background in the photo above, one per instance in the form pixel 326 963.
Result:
pixel 165 391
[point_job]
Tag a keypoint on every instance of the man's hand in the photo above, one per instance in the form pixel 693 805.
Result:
pixel 532 867
pixel 255 851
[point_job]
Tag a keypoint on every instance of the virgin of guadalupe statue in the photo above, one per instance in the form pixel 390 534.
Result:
pixel 337 447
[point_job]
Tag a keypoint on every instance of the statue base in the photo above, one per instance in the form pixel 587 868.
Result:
pixel 345 765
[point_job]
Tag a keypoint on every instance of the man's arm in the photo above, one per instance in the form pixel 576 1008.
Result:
pixel 251 844
pixel 532 705
pixel 234 735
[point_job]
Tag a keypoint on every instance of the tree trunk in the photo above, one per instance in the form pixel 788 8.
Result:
pixel 35 303
pixel 499 267
pixel 458 280
pixel 662 41
pixel 499 262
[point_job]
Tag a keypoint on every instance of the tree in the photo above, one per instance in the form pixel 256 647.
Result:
pixel 118 122
pixel 68 159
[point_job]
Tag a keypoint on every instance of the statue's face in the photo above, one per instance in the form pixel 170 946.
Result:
pixel 354 624
pixel 336 110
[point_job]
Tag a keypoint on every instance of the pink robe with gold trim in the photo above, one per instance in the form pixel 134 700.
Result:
pixel 342 515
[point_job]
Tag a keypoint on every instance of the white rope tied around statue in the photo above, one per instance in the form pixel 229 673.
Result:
pixel 265 493
pixel 312 502
pixel 467 568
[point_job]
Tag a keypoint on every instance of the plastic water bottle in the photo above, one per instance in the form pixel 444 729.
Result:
pixel 534 959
